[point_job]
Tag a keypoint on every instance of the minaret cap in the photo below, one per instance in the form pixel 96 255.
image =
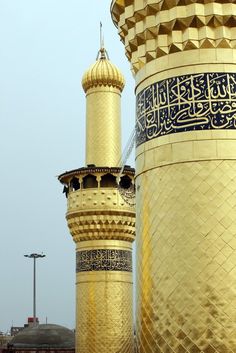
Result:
pixel 103 73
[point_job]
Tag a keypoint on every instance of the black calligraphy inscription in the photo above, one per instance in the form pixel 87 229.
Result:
pixel 186 103
pixel 104 260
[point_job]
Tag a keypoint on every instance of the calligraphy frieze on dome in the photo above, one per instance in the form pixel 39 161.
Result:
pixel 185 103
pixel 104 260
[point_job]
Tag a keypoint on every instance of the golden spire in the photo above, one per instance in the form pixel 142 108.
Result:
pixel 101 220
pixel 103 83
pixel 102 53
pixel 103 72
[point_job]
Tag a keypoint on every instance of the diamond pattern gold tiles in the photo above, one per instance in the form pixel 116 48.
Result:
pixel 102 225
pixel 186 210
pixel 107 318
pixel 186 224
pixel 103 138
pixel 101 221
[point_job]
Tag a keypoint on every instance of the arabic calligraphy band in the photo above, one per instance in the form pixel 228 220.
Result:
pixel 185 103
pixel 104 260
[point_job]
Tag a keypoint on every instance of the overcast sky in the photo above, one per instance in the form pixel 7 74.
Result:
pixel 45 47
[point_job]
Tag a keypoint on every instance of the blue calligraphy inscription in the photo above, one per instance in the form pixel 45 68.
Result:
pixel 103 260
pixel 186 103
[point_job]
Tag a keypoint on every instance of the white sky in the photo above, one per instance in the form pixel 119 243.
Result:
pixel 45 47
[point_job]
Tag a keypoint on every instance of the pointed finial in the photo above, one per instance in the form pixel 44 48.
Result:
pixel 102 54
pixel 101 37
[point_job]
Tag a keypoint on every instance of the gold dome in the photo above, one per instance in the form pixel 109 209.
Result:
pixel 103 73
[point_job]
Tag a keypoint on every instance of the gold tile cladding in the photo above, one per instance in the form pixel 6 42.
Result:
pixel 104 305
pixel 101 223
pixel 106 323
pixel 103 73
pixel 186 249
pixel 194 62
pixel 184 147
pixel 103 131
pixel 185 184
pixel 100 214
pixel 151 29
pixel 103 83
pixel 100 219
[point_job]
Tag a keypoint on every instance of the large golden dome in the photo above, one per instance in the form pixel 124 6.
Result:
pixel 103 73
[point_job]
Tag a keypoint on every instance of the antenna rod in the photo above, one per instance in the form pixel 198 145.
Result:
pixel 101 40
pixel 102 54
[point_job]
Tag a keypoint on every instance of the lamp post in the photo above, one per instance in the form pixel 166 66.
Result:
pixel 34 257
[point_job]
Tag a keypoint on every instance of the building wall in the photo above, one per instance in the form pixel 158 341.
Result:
pixel 102 224
pixel 184 59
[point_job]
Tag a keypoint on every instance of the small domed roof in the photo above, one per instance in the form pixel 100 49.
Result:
pixel 103 73
pixel 42 336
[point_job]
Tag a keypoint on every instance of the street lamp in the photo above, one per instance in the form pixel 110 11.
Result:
pixel 34 256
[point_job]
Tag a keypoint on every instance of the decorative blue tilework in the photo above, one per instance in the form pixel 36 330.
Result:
pixel 186 103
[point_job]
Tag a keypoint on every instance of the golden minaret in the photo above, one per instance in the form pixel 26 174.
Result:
pixel 183 56
pixel 101 220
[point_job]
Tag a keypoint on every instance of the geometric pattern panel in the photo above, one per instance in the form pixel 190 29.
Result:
pixel 104 312
pixel 190 102
pixel 102 225
pixel 186 258
pixel 153 29
pixel 103 260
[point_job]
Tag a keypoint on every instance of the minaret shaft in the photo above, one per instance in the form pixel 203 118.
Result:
pixel 103 137
pixel 104 302
pixel 183 57
pixel 101 222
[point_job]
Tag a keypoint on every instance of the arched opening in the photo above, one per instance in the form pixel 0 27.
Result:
pixel 75 184
pixel 125 182
pixel 108 181
pixel 90 181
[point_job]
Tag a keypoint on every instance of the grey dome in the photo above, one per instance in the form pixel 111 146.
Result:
pixel 45 336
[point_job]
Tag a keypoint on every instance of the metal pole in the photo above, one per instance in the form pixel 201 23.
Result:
pixel 34 293
pixel 34 257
